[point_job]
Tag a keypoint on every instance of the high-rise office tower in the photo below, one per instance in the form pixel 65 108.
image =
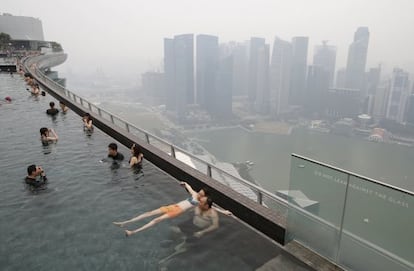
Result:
pixel 409 118
pixel 261 103
pixel 357 58
pixel 340 78
pixel 222 108
pixel 317 85
pixel 280 68
pixel 240 54
pixel 325 57
pixel 256 45
pixel 298 73
pixel 207 55
pixel 372 79
pixel 169 74
pixel 398 95
pixel 179 73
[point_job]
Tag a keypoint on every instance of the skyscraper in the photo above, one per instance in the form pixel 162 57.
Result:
pixel 179 73
pixel 240 54
pixel 340 78
pixel 256 45
pixel 325 57
pixel 357 58
pixel 169 73
pixel 317 85
pixel 261 103
pixel 222 107
pixel 398 95
pixel 206 70
pixel 280 68
pixel 298 73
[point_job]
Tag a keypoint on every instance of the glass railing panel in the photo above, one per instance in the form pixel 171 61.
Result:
pixel 191 161
pixel 138 133
pixel 119 122
pixel 275 204
pixel 163 146
pixel 234 183
pixel 316 198
pixel 378 232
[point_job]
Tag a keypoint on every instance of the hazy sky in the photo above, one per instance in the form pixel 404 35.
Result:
pixel 129 34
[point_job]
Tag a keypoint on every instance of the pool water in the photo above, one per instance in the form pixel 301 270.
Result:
pixel 69 226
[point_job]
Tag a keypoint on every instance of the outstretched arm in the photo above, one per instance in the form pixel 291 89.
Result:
pixel 224 212
pixel 189 189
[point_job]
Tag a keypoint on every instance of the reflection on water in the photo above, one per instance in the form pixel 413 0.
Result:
pixel 69 226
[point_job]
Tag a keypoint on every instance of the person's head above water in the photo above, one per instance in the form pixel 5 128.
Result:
pixel 205 203
pixel 87 117
pixel 44 131
pixel 203 192
pixel 8 99
pixel 52 104
pixel 135 150
pixel 112 149
pixel 34 170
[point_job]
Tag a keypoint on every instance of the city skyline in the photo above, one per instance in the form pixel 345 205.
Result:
pixel 110 34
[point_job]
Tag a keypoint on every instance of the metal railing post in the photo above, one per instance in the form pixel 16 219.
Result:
pixel 147 138
pixel 208 170
pixel 172 151
pixel 99 112
pixel 112 119
pixel 342 219
pixel 259 197
pixel 90 106
pixel 127 127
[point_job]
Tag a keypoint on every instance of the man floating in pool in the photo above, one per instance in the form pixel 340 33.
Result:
pixel 170 211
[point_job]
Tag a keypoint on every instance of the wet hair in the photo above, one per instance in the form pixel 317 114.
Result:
pixel 206 190
pixel 209 202
pixel 88 116
pixel 137 150
pixel 43 93
pixel 43 131
pixel 61 102
pixel 31 169
pixel 113 146
pixel 51 104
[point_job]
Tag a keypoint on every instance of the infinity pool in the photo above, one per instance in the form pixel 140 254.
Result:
pixel 68 226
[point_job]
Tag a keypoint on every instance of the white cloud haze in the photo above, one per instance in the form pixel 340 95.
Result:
pixel 129 34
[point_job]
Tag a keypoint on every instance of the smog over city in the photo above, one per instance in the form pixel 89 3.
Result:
pixel 267 134
pixel 342 69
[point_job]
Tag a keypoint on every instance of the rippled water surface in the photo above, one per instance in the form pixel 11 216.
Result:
pixel 68 226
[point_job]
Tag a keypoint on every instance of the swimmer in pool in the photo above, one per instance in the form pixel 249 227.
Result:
pixel 167 212
pixel 87 123
pixel 32 178
pixel 48 135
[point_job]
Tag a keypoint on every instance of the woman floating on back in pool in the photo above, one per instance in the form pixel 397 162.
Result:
pixel 170 211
